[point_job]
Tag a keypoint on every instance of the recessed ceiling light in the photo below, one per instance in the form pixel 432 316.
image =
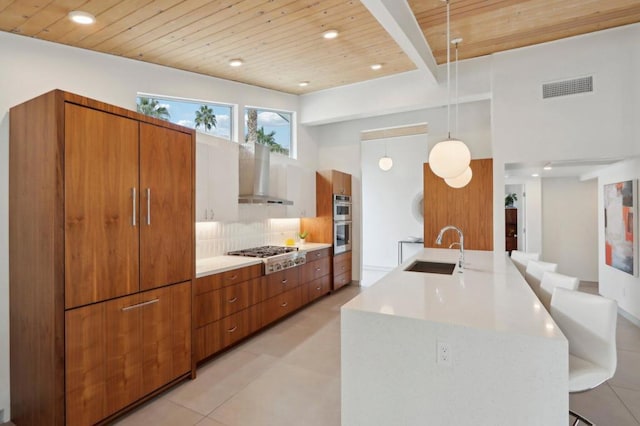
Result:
pixel 547 166
pixel 376 67
pixel 535 175
pixel 235 62
pixel 330 34
pixel 303 84
pixel 80 17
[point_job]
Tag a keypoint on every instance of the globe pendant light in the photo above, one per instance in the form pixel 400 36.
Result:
pixel 449 158
pixel 385 163
pixel 461 180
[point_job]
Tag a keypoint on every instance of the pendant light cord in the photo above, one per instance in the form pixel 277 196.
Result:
pixel 448 71
pixel 456 126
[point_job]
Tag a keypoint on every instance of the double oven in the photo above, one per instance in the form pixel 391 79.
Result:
pixel 342 225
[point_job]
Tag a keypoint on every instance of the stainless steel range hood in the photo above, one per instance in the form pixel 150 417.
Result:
pixel 254 176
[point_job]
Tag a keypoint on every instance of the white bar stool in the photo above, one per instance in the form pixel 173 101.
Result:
pixel 521 258
pixel 535 270
pixel 588 322
pixel 552 280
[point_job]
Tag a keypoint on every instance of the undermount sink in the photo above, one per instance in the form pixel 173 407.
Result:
pixel 431 267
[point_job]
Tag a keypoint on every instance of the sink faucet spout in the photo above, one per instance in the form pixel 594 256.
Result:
pixel 461 243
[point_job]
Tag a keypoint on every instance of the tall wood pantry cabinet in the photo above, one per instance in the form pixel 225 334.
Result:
pixel 321 227
pixel 101 252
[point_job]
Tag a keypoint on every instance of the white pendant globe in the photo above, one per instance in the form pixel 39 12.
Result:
pixel 385 163
pixel 460 181
pixel 449 158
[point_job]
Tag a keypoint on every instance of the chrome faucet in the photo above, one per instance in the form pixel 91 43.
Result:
pixel 461 243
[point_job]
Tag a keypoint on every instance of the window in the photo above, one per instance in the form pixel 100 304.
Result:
pixel 271 128
pixel 206 117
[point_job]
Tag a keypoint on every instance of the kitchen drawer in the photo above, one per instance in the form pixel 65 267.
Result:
pixel 281 305
pixel 213 305
pixel 315 269
pixel 341 280
pixel 341 264
pixel 221 334
pixel 318 254
pixel 315 289
pixel 227 278
pixel 281 281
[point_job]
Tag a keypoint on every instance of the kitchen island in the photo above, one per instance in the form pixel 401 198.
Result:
pixel 475 347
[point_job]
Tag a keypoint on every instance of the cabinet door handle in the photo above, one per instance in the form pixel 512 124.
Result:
pixel 139 305
pixel 133 204
pixel 284 305
pixel 231 330
pixel 148 206
pixel 232 300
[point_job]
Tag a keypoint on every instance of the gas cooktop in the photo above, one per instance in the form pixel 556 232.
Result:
pixel 275 258
pixel 263 251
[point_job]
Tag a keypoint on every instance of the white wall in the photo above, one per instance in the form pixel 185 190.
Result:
pixel 387 197
pixel 530 201
pixel 570 226
pixel 614 283
pixel 31 67
pixel 602 124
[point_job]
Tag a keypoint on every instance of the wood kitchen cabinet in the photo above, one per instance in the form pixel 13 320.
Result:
pixel 117 240
pixel 511 229
pixel 120 350
pixel 340 182
pixel 341 270
pixel 227 308
pixel 101 209
pixel 315 275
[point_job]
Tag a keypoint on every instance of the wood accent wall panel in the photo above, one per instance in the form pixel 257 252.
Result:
pixel 166 171
pixel 36 255
pixel 101 171
pixel 469 208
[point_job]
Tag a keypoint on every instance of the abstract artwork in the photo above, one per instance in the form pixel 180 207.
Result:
pixel 620 235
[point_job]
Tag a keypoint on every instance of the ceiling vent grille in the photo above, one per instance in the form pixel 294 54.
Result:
pixel 567 87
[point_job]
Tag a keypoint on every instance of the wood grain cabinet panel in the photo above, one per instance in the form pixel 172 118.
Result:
pixel 82 332
pixel 101 175
pixel 341 270
pixel 120 350
pixel 166 182
pixel 227 278
pixel 316 289
pixel 281 305
pixel 281 281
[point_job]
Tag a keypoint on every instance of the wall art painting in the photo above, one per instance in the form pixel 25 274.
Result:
pixel 620 229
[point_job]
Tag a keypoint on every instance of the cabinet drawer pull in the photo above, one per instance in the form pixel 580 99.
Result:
pixel 231 330
pixel 133 202
pixel 139 305
pixel 148 206
pixel 233 277
pixel 317 254
pixel 318 288
pixel 233 299
pixel 284 281
pixel 318 269
pixel 284 305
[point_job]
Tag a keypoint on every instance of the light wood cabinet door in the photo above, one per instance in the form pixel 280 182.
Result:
pixel 101 176
pixel 166 174
pixel 120 350
pixel 103 360
pixel 341 182
pixel 165 337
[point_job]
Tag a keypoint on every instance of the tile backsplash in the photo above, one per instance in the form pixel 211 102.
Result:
pixel 218 238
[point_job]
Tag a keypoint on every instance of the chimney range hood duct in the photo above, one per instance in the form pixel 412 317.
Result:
pixel 254 176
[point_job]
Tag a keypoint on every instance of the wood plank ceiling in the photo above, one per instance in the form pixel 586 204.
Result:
pixel 280 41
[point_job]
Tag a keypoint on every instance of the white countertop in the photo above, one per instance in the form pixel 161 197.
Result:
pixel 469 348
pixel 490 294
pixel 217 264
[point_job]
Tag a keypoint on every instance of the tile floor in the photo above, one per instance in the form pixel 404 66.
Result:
pixel 290 375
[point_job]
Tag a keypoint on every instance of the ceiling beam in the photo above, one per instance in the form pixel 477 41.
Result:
pixel 398 20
